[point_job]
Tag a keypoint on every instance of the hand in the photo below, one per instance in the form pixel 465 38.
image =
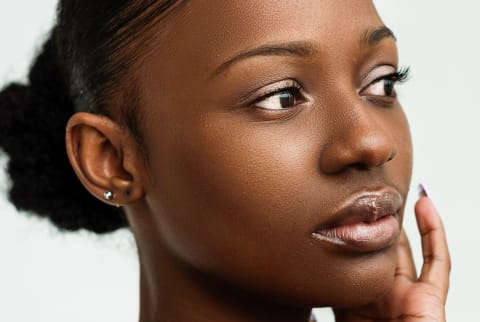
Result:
pixel 413 299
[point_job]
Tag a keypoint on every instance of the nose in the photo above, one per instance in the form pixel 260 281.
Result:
pixel 361 140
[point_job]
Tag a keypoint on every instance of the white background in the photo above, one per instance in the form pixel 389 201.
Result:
pixel 50 276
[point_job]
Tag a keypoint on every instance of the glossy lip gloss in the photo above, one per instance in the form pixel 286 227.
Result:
pixel 367 222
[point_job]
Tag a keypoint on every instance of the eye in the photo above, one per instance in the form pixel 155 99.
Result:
pixel 280 98
pixel 384 86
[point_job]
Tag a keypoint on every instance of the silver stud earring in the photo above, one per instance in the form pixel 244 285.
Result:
pixel 108 195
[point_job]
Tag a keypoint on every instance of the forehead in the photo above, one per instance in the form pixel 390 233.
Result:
pixel 219 28
pixel 269 19
pixel 199 37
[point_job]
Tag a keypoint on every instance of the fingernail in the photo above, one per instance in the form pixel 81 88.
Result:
pixel 422 191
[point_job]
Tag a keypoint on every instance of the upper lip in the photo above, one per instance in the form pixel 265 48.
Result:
pixel 366 206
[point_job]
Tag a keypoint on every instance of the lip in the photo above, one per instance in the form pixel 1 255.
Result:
pixel 366 222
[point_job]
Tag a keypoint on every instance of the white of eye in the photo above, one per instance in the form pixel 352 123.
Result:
pixel 382 87
pixel 278 101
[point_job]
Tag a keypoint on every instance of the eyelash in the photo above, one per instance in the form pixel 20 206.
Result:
pixel 399 77
pixel 293 88
pixel 402 75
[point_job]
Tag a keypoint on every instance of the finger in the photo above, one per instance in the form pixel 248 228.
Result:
pixel 436 257
pixel 405 264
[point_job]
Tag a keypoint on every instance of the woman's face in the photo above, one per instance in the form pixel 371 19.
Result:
pixel 273 138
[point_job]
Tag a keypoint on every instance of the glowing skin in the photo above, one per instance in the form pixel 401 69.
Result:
pixel 261 120
pixel 238 190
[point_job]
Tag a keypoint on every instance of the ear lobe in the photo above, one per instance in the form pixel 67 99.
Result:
pixel 96 147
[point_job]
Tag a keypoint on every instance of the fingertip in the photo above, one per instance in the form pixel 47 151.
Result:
pixel 427 214
pixel 424 204
pixel 437 264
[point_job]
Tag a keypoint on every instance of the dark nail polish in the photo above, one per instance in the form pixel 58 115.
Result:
pixel 422 191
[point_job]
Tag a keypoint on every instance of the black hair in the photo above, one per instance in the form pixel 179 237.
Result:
pixel 82 67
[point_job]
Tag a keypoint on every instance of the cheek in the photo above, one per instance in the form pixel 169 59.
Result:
pixel 226 190
pixel 236 199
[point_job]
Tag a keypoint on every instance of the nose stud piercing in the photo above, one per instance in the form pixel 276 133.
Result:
pixel 108 195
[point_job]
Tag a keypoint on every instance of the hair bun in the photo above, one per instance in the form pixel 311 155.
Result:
pixel 32 133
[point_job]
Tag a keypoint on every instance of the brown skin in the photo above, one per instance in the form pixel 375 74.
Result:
pixel 224 209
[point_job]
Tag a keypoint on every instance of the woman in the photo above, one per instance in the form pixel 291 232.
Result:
pixel 256 149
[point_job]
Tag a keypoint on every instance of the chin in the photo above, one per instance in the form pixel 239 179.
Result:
pixel 362 282
pixel 346 281
pixel 364 294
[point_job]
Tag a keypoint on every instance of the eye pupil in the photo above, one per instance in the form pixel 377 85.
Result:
pixel 287 99
pixel 388 87
pixel 281 99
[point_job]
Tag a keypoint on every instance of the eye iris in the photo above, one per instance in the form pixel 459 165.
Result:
pixel 286 99
pixel 388 87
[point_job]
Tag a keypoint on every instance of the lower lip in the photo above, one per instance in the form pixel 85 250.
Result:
pixel 363 236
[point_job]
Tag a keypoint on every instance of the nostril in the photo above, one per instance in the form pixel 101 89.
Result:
pixel 369 158
pixel 392 156
pixel 363 145
pixel 355 155
pixel 360 166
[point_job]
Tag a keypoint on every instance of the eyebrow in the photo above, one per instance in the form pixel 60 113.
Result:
pixel 373 37
pixel 370 38
pixel 298 48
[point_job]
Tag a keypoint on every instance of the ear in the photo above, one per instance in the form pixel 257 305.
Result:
pixel 105 158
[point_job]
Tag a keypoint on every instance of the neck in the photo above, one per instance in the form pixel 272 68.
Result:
pixel 173 291
pixel 177 293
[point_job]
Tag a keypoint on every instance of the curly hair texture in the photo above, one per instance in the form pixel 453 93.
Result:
pixel 81 67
